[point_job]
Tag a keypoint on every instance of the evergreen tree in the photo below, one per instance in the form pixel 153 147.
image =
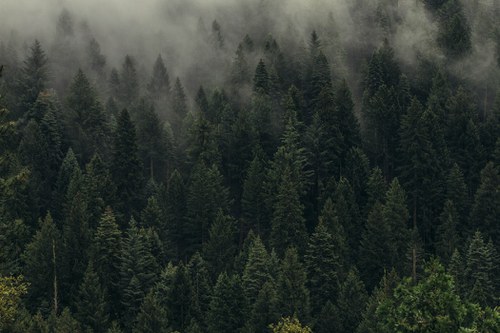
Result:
pixel 348 124
pixel 227 308
pixel 129 85
pixel 292 293
pixel 176 210
pixel 159 84
pixel 486 208
pixel 152 316
pixel 322 262
pixel 396 216
pixel 138 271
pixel 33 78
pixel 288 223
pixel 178 105
pixel 261 79
pixel 328 319
pixel 85 119
pixel 376 188
pixel 352 299
pixel 206 195
pixel 106 256
pixel 447 236
pixel 375 247
pixel 264 310
pixel 92 308
pixel 479 273
pixel 220 248
pixel 42 266
pixel 457 192
pixel 126 167
pixel 253 214
pixel 180 305
pixel 202 288
pixel 256 272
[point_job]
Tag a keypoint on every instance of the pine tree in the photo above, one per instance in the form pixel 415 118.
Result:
pixel 486 208
pixel 92 308
pixel 206 195
pixel 138 271
pixel 159 84
pixel 479 278
pixel 85 119
pixel 220 248
pixel 264 310
pixel 348 123
pixel 253 214
pixel 351 301
pixel 374 247
pixel 152 316
pixel 106 256
pixel 261 79
pixel 68 167
pixel 330 219
pixel 376 188
pixel 347 213
pixel 322 262
pixel 33 78
pixel 457 192
pixel 447 236
pixel 180 305
pixel 292 293
pixel 176 210
pixel 42 266
pixel 202 288
pixel 328 319
pixel 129 85
pixel 288 223
pixel 256 272
pixel 227 308
pixel 178 105
pixel 126 167
pixel 396 216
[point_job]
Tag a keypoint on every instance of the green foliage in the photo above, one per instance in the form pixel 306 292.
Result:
pixel 256 272
pixel 152 316
pixel 220 248
pixel 289 325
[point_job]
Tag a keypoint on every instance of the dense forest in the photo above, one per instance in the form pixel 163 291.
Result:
pixel 332 168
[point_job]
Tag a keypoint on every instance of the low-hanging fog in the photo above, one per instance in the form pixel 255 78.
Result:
pixel 181 30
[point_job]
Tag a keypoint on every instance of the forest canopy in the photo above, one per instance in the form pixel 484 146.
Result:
pixel 243 166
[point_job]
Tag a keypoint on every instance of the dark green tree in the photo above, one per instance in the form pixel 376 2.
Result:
pixel 129 82
pixel 152 316
pixel 447 239
pixel 126 166
pixel 292 293
pixel 175 209
pixel 159 84
pixel 228 305
pixel 220 249
pixel 351 301
pixel 486 208
pixel 256 272
pixel 261 79
pixel 92 307
pixel 322 262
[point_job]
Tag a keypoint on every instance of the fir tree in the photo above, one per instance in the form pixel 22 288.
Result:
pixel 92 308
pixel 176 210
pixel 227 307
pixel 479 278
pixel 256 272
pixel 292 293
pixel 126 167
pixel 322 262
pixel 261 79
pixel 180 300
pixel 129 85
pixel 352 299
pixel 220 248
pixel 152 316
pixel 447 236
pixel 159 84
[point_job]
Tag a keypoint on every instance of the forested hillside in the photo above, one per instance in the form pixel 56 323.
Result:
pixel 328 167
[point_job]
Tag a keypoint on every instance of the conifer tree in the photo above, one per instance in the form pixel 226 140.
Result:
pixel 227 308
pixel 348 123
pixel 486 208
pixel 152 316
pixel 447 237
pixel 129 85
pixel 202 288
pixel 256 272
pixel 253 214
pixel 106 256
pixel 92 307
pixel 178 105
pixel 479 278
pixel 220 248
pixel 351 301
pixel 376 188
pixel 33 78
pixel 126 167
pixel 264 310
pixel 42 266
pixel 176 210
pixel 322 262
pixel 261 79
pixel 292 293
pixel 180 306
pixel 396 216
pixel 457 192
pixel 68 167
pixel 206 195
pixel 374 247
pixel 159 84
pixel 288 223
pixel 329 319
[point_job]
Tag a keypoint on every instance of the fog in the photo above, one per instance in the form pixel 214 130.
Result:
pixel 180 30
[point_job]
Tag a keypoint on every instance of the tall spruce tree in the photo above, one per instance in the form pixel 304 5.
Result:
pixel 126 167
